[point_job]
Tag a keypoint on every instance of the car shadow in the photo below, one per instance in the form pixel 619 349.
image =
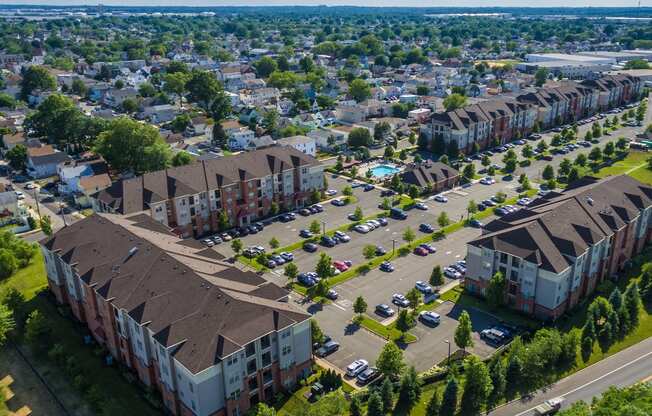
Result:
pixel 351 328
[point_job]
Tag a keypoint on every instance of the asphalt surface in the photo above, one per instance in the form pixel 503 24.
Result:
pixel 621 369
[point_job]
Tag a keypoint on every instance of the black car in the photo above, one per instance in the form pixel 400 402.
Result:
pixel 327 348
pixel 243 231
pixel 310 247
pixel 368 187
pixel 426 228
pixel 328 241
pixel 305 212
pixel 285 218
pixel 367 376
pixel 380 251
pixel 259 225
pixel 481 206
pixel 252 229
pixel 387 192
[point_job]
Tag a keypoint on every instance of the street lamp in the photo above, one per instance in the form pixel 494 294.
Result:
pixel 323 227
pixel 393 245
pixel 448 361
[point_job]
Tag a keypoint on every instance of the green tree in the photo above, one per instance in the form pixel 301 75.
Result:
pixel 358 213
pixel 437 277
pixel 595 154
pixel 359 90
pixel 37 330
pixel 390 361
pixel 404 322
pixel 387 394
pixel 443 219
pixel 265 66
pixel 497 372
pixel 360 306
pixel 223 221
pixel 463 331
pixel 369 251
pixel 359 137
pixel 449 398
pixel 175 83
pixel 132 146
pixel 541 76
pixel 36 78
pixel 17 157
pixel 236 245
pixel 347 191
pixel 527 151
pixel 315 331
pixel 434 404
pixel 413 191
pixel 274 243
pixel 414 297
pixel 291 271
pixel 496 290
pixel 408 235
pixel 477 386
pixel 374 405
pixel 315 227
pixel 7 101
pixel 548 172
pixel 46 225
pixel 324 268
pixel 146 90
pixel 262 409
pixel 409 390
pixel 203 87
pixel 181 158
pixel 355 406
pixel 632 303
pixel 454 101
pixel 472 208
pixel 469 171
pixel 7 323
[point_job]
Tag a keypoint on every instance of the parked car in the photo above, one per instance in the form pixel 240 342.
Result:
pixel 305 233
pixel 340 265
pixel 387 192
pixel 386 266
pixel 441 198
pixel 549 407
pixel 421 206
pixel 420 251
pixel 356 367
pixel 368 187
pixel 487 181
pixel 310 247
pixel 475 223
pixel 208 242
pixel 327 348
pixel 305 212
pixel 367 376
pixel 493 336
pixel 363 229
pixel 217 239
pixel 287 256
pixel 226 237
pixel 327 241
pixel 430 318
pixel 306 280
pixel 332 294
pixel 397 213
pixel 426 228
pixel 452 273
pixel 429 247
pixel 400 300
pixel 277 259
pixel 341 237
pixel 423 287
pixel 317 208
pixel 338 202
pixel 331 192
pixel 382 221
pixel 380 251
pixel 384 310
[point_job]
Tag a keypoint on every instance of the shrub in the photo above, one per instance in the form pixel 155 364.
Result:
pixel 403 251
pixel 363 269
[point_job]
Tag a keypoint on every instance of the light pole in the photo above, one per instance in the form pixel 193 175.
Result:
pixel 448 361
pixel 323 227
pixel 393 246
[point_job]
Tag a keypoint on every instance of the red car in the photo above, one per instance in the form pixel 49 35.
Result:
pixel 420 251
pixel 341 266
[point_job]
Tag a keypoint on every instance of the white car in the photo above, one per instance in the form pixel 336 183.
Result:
pixel 487 181
pixel 429 317
pixel 30 186
pixel 342 236
pixel 524 201
pixel 441 198
pixel 356 367
pixel 331 192
pixel 362 229
pixel 209 242
pixel 400 300
pixel 423 287
pixel 421 206
pixel 452 273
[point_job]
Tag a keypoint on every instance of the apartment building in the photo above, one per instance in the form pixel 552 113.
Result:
pixel 212 339
pixel 190 199
pixel 505 119
pixel 557 250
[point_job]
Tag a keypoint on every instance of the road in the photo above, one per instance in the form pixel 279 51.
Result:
pixel 622 369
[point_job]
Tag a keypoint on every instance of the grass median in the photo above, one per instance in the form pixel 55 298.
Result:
pixel 389 332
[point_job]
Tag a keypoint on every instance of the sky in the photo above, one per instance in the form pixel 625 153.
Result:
pixel 369 3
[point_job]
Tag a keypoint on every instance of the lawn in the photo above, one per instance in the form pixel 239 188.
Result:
pixel 634 165
pixel 32 279
pixel 389 332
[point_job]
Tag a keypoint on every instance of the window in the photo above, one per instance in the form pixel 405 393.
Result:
pixel 250 349
pixel 286 350
pixel 251 367
pixel 267 359
pixel 265 342
pixel 516 262
pixel 503 258
pixel 513 275
pixel 191 387
pixel 253 383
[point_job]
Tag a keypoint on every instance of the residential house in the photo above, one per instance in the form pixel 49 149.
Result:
pixel 44 161
pixel 303 144
pixel 191 198
pixel 557 250
pixel 430 177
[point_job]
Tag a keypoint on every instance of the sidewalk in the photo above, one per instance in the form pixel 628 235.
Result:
pixel 325 364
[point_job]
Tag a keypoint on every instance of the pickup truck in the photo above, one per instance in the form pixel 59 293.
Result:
pixel 549 407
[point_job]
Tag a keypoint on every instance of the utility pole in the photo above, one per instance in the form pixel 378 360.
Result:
pixel 38 208
pixel 63 214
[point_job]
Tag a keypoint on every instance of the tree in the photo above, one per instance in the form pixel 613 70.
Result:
pixel 413 191
pixel 17 157
pixel 262 409
pixel 477 386
pixel 369 251
pixel 404 322
pixel 454 101
pixel 274 243
pixel 632 303
pixel 449 398
pixel 408 235
pixel 443 219
pixel 359 90
pixel 223 221
pixel 132 146
pixel 595 154
pixel 360 306
pixel 324 266
pixel 36 77
pixel 541 76
pixel 609 149
pixel 485 161
pixel 437 277
pixel 357 213
pixel 315 227
pixel 56 118
pixel 46 225
pixel 265 66
pixel 573 175
pixel 14 299
pixel 390 361
pixel 355 406
pixel 236 245
pixel 471 208
pixel 374 405
pixel 496 290
pixel 175 83
pixel 548 172
pixel 146 90
pixel 469 171
pixel 409 390
pixel 414 297
pixel 387 395
pixel 203 87
pixel 7 323
pixel 463 331
pixel 527 151
pixel 359 137
pixel 497 372
pixel 291 271
pixel 434 405
pixel 181 158
pixel 37 330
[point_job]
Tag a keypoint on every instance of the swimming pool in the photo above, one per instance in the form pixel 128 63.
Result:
pixel 381 171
